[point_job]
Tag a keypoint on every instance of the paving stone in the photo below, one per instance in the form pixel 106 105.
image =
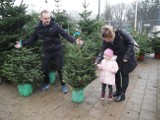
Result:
pixel 149 107
pixel 133 106
pixel 17 116
pixel 111 117
pixel 91 100
pixel 77 112
pixel 148 115
pixel 102 105
pixel 35 117
pixel 130 114
pixel 141 82
pixel 96 113
pixel 85 118
pixel 52 117
pixel 115 109
pixel 135 100
pixel 140 88
pixel 138 93
pixel 147 96
pixel 150 101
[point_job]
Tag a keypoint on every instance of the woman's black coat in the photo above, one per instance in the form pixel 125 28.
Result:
pixel 123 48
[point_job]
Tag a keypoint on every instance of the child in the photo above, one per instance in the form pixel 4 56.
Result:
pixel 108 67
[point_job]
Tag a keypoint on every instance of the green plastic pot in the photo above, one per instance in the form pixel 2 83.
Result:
pixel 78 95
pixel 25 89
pixel 52 77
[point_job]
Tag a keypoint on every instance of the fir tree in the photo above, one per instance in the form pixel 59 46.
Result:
pixel 62 17
pixel 22 66
pixel 79 69
pixel 87 25
pixel 12 20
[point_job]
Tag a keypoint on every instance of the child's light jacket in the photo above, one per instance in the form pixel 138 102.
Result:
pixel 108 68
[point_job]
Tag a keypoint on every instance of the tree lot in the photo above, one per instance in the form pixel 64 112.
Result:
pixel 16 24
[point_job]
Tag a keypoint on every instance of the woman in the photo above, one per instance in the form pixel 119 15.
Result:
pixel 122 44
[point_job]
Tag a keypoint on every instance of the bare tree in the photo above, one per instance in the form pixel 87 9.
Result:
pixel 107 12
pixel 147 14
pixel 130 12
pixel 118 13
pixel 147 9
pixel 115 14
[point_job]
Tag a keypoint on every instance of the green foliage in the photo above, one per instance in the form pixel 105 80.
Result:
pixel 143 42
pixel 28 28
pixel 12 20
pixel 62 18
pixel 22 66
pixel 79 69
pixel 95 42
pixel 65 21
pixel 156 42
pixel 88 25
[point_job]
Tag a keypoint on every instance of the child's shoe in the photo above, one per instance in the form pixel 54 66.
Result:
pixel 102 95
pixel 110 96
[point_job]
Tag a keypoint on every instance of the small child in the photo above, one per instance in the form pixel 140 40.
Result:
pixel 108 67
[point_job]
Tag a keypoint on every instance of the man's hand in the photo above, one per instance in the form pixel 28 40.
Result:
pixel 18 45
pixel 79 41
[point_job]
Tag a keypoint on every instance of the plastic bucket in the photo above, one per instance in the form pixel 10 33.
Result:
pixel 25 89
pixel 52 77
pixel 78 95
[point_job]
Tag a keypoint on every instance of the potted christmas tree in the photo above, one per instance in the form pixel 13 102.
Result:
pixel 79 69
pixel 144 45
pixel 23 68
pixel 156 44
pixel 13 19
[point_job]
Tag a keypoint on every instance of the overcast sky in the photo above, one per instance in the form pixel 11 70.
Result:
pixel 69 5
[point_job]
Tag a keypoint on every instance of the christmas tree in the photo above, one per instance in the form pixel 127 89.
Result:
pixel 79 69
pixel 12 20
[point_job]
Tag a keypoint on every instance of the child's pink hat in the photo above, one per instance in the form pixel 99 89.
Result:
pixel 108 53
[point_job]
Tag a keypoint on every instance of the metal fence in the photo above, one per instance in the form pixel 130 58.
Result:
pixel 142 26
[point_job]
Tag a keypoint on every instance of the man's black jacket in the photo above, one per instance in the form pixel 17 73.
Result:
pixel 50 35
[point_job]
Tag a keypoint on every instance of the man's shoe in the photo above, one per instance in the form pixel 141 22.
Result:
pixel 115 94
pixel 45 87
pixel 119 98
pixel 64 89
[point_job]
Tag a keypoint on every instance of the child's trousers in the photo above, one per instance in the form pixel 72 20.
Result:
pixel 104 87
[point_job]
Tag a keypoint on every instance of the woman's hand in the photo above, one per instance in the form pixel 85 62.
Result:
pixel 124 60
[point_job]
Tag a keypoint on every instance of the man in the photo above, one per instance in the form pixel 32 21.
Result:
pixel 49 31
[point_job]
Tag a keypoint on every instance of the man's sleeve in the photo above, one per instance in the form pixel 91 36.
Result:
pixel 64 34
pixel 29 41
